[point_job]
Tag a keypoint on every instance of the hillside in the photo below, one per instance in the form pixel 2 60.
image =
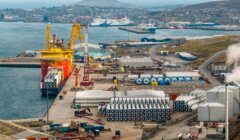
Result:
pixel 227 4
pixel 104 3
pixel 223 12
pixel 205 48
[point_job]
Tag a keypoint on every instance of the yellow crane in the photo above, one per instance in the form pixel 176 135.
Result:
pixel 76 32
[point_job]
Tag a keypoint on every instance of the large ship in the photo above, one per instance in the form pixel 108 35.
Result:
pixel 57 61
pixel 99 22
pixel 121 22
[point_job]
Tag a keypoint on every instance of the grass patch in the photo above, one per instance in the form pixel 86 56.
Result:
pixel 204 48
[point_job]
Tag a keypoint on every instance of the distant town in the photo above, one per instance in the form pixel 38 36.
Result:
pixel 206 12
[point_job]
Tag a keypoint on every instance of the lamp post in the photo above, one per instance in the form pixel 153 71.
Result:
pixel 47 108
pixel 226 120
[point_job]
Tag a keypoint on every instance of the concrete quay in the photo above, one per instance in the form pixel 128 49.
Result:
pixel 61 108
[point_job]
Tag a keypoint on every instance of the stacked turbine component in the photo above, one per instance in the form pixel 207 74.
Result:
pixel 189 103
pixel 138 109
pixel 53 78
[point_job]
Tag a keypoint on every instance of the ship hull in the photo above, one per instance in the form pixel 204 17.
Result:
pixel 52 91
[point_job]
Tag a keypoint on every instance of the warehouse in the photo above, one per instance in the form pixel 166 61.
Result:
pixel 140 44
pixel 136 62
pixel 94 97
pixel 186 56
pixel 183 76
pixel 176 41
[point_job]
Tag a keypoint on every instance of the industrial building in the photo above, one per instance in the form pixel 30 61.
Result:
pixel 138 109
pixel 183 76
pixel 186 56
pixel 140 44
pixel 177 41
pixel 94 97
pixel 136 62
pixel 217 69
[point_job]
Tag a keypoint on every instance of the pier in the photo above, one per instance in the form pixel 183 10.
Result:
pixel 135 30
pixel 20 62
pixel 20 65
pixel 61 109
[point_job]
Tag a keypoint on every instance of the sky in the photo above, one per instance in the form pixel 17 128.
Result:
pixel 28 4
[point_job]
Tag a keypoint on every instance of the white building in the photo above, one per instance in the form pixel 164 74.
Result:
pixel 94 97
pixel 136 62
pixel 193 75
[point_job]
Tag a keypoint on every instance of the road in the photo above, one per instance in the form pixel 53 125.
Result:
pixel 171 58
pixel 154 55
pixel 206 73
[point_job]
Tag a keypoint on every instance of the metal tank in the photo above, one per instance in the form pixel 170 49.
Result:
pixel 211 111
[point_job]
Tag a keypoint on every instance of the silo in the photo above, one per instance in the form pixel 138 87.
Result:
pixel 211 111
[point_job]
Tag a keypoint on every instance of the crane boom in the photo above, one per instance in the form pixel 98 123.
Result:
pixel 48 37
pixel 76 32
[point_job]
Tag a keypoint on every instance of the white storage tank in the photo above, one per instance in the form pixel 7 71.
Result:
pixel 211 111
pixel 218 94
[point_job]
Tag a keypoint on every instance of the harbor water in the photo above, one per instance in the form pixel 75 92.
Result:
pixel 20 95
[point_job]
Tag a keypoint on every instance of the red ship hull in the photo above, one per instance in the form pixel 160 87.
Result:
pixel 67 68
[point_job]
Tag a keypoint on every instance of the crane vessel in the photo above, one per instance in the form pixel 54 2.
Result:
pixel 57 60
